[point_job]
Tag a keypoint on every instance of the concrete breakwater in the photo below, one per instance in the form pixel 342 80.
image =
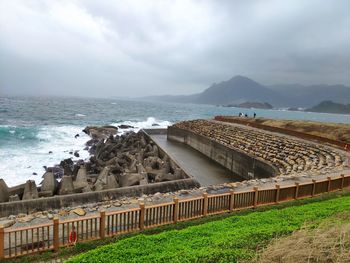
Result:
pixel 127 165
pixel 254 151
pixel 237 162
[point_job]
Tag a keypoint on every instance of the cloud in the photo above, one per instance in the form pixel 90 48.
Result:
pixel 136 48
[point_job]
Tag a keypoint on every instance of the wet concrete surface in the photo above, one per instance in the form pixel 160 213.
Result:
pixel 206 171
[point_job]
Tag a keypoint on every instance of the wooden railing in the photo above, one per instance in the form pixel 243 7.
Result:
pixel 29 240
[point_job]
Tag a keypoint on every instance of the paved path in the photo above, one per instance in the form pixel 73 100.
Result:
pixel 196 164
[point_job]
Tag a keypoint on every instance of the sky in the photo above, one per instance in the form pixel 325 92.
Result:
pixel 146 47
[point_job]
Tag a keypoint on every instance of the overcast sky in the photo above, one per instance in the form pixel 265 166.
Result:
pixel 135 48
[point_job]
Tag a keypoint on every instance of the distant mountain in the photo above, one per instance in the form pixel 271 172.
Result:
pixel 240 89
pixel 331 107
pixel 237 90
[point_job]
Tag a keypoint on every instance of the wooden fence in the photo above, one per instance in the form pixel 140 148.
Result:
pixel 29 240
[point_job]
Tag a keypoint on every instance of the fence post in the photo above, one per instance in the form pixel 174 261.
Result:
pixel 256 192
pixel 56 238
pixel 142 216
pixel 342 181
pixel 296 191
pixel 313 187
pixel 329 184
pixel 205 205
pixel 232 200
pixel 102 224
pixel 2 243
pixel 277 193
pixel 176 210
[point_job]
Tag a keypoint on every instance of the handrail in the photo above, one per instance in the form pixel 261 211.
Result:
pixel 53 235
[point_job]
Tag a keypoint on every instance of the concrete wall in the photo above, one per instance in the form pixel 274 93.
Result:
pixel 59 201
pixel 238 162
pixel 162 152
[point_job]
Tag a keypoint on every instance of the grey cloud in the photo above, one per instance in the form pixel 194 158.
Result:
pixel 137 48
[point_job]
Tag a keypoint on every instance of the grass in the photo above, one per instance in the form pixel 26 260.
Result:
pixel 91 245
pixel 236 237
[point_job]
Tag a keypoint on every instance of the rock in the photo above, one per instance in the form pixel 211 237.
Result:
pixel 76 154
pixel 50 216
pixel 4 191
pixel 103 132
pixel 123 126
pixel 67 186
pixel 30 191
pixel 117 204
pixel 184 192
pixel 79 211
pixel 11 217
pixel 34 173
pixel 21 215
pixel 7 223
pixel 63 212
pixel 26 219
pixel 50 152
pixel 49 184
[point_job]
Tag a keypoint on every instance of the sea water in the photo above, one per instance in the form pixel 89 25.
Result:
pixel 37 132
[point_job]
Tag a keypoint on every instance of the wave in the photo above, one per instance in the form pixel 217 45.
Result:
pixel 22 156
pixel 25 150
pixel 80 115
pixel 150 123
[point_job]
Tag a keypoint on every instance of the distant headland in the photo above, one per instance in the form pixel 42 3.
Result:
pixel 241 90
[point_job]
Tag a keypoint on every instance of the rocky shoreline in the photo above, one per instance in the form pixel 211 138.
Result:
pixel 115 161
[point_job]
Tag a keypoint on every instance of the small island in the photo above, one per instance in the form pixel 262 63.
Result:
pixel 331 107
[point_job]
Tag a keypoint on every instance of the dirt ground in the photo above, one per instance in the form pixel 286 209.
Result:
pixel 334 131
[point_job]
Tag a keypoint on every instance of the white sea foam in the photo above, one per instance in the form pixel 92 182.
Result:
pixel 80 115
pixel 150 123
pixel 20 161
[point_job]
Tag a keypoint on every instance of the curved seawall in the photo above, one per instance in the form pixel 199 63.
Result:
pixel 239 163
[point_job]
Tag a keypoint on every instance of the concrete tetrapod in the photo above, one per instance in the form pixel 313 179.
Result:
pixel 81 180
pixel 49 185
pixel 4 191
pixel 30 191
pixel 67 186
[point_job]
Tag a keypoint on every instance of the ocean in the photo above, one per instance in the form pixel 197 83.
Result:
pixel 37 131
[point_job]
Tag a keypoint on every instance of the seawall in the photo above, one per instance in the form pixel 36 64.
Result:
pixel 239 163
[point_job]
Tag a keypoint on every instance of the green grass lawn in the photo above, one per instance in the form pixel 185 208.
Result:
pixel 237 237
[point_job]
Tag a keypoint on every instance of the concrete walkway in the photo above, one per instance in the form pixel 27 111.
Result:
pixel 206 171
